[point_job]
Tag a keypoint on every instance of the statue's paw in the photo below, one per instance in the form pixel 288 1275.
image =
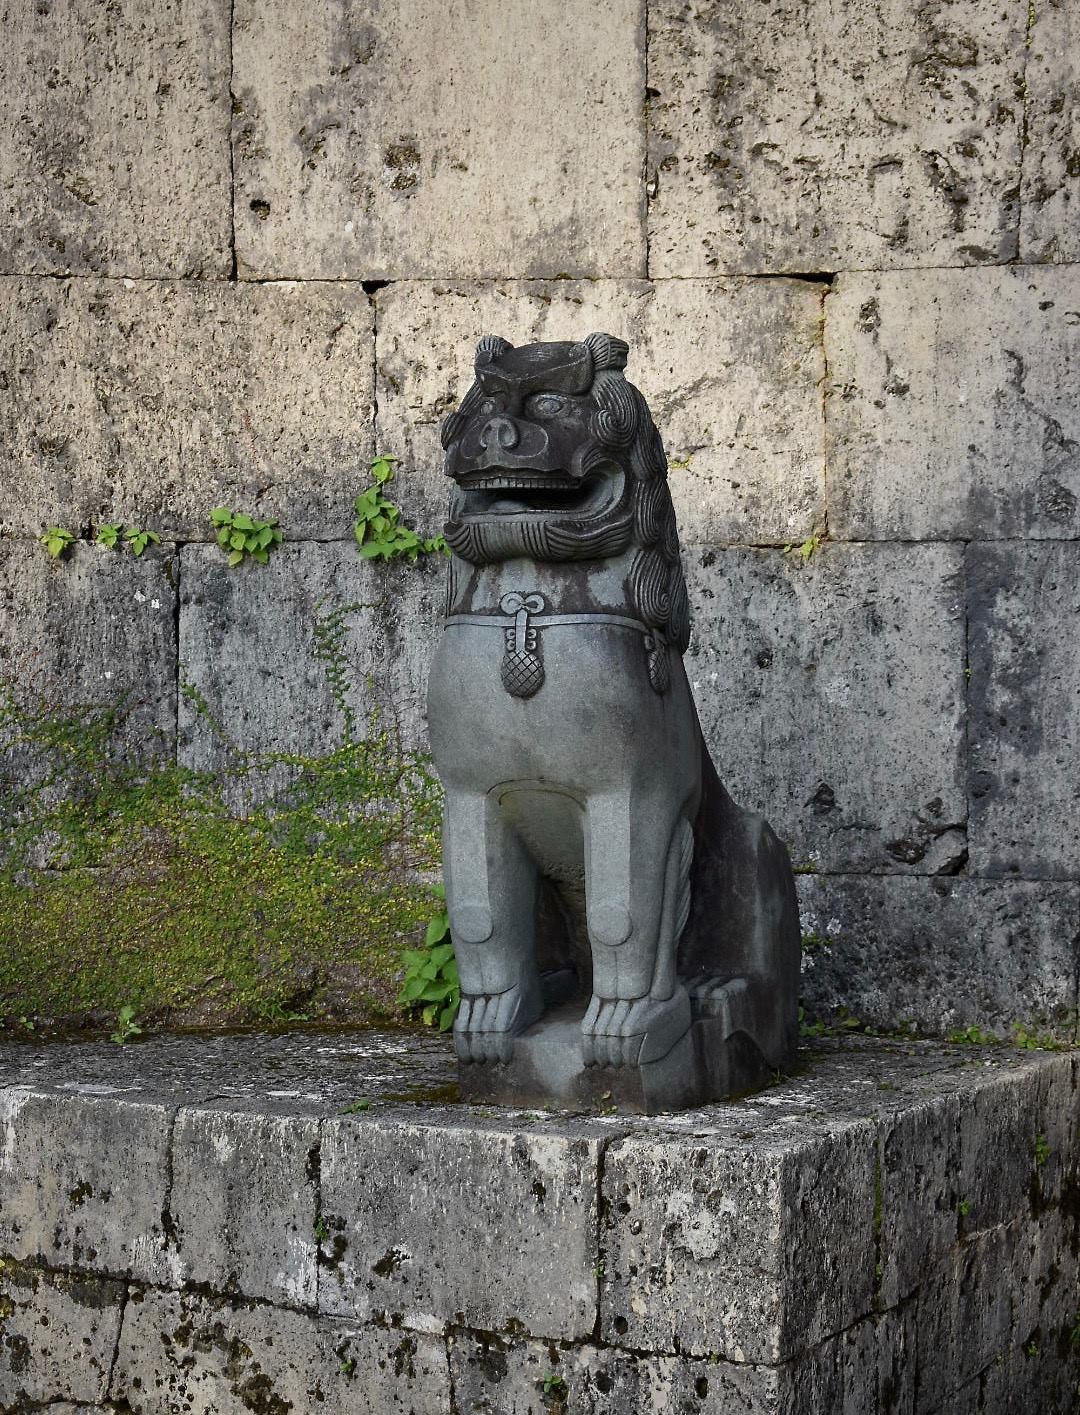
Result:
pixel 632 1031
pixel 613 1030
pixel 488 1022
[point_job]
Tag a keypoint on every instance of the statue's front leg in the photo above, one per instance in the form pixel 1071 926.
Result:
pixel 491 896
pixel 636 882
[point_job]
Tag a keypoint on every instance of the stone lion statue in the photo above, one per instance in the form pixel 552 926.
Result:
pixel 600 881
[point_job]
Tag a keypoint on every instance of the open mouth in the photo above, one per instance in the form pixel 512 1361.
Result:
pixel 499 493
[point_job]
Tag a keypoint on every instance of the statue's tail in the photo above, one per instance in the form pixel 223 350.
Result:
pixel 744 915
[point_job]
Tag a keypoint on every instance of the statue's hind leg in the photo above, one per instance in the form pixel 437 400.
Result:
pixel 491 896
pixel 636 888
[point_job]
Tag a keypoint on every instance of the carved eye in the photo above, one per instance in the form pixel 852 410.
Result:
pixel 544 405
pixel 489 406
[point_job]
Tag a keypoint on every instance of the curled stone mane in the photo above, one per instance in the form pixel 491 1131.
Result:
pixel 622 430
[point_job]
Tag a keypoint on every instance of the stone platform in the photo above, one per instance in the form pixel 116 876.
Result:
pixel 266 1225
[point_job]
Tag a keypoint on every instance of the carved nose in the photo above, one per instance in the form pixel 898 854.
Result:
pixel 499 432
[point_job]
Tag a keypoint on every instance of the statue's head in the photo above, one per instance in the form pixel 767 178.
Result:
pixel 554 456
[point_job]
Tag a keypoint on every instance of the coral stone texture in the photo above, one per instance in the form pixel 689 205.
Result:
pixel 952 410
pixel 98 627
pixel 115 159
pixel 151 402
pixel 894 1229
pixel 868 134
pixel 731 369
pixel 1050 194
pixel 831 694
pixel 429 138
pixel 1025 709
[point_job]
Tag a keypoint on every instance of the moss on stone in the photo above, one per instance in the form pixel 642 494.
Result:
pixel 140 882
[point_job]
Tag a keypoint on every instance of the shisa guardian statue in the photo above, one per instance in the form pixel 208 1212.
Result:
pixel 622 929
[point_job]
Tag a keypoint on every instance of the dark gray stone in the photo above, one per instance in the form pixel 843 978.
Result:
pixel 244 1204
pixel 57 1336
pixel 84 1180
pixel 1024 696
pixel 898 952
pixel 97 627
pixel 590 850
pixel 485 1224
pixel 831 692
pixel 179 1351
pixel 249 645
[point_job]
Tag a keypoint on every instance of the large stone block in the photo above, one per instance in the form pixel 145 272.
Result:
pixel 57 1336
pixel 435 139
pixel 116 158
pixel 943 953
pixel 486 1225
pixel 787 137
pixel 250 645
pixel 730 368
pixel 964 1315
pixel 518 1377
pixel 97 627
pixel 831 695
pixel 1050 192
pixel 153 402
pixel 209 1357
pixel 244 1204
pixel 1023 609
pixel 951 411
pixel 749 1250
pixel 83 1182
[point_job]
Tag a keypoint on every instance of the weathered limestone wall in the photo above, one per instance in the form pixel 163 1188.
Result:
pixel 245 246
pixel 214 1228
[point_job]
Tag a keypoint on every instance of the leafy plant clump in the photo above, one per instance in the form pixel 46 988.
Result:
pixel 110 535
pixel 56 540
pixel 378 529
pixel 431 978
pixel 244 538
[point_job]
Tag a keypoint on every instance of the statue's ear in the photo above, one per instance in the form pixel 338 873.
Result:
pixel 490 348
pixel 607 351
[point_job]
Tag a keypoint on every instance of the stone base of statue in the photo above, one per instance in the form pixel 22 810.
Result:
pixel 714 1058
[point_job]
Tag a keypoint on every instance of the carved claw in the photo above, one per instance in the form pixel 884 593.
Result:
pixel 632 1031
pixel 613 1029
pixel 488 1022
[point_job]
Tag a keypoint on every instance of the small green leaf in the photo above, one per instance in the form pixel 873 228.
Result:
pixel 235 557
pixel 437 929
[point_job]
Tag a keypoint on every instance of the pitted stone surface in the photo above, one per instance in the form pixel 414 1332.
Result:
pixel 57 1336
pixel 96 627
pixel 508 1374
pixel 730 368
pixel 248 644
pixel 897 951
pixel 1024 606
pixel 951 404
pixel 489 1225
pixel 83 1181
pixel 925 1286
pixel 116 158
pixel 830 693
pixel 1050 192
pixel 697 1245
pixel 213 1357
pixel 793 137
pixel 152 402
pixel 244 1204
pixel 427 139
